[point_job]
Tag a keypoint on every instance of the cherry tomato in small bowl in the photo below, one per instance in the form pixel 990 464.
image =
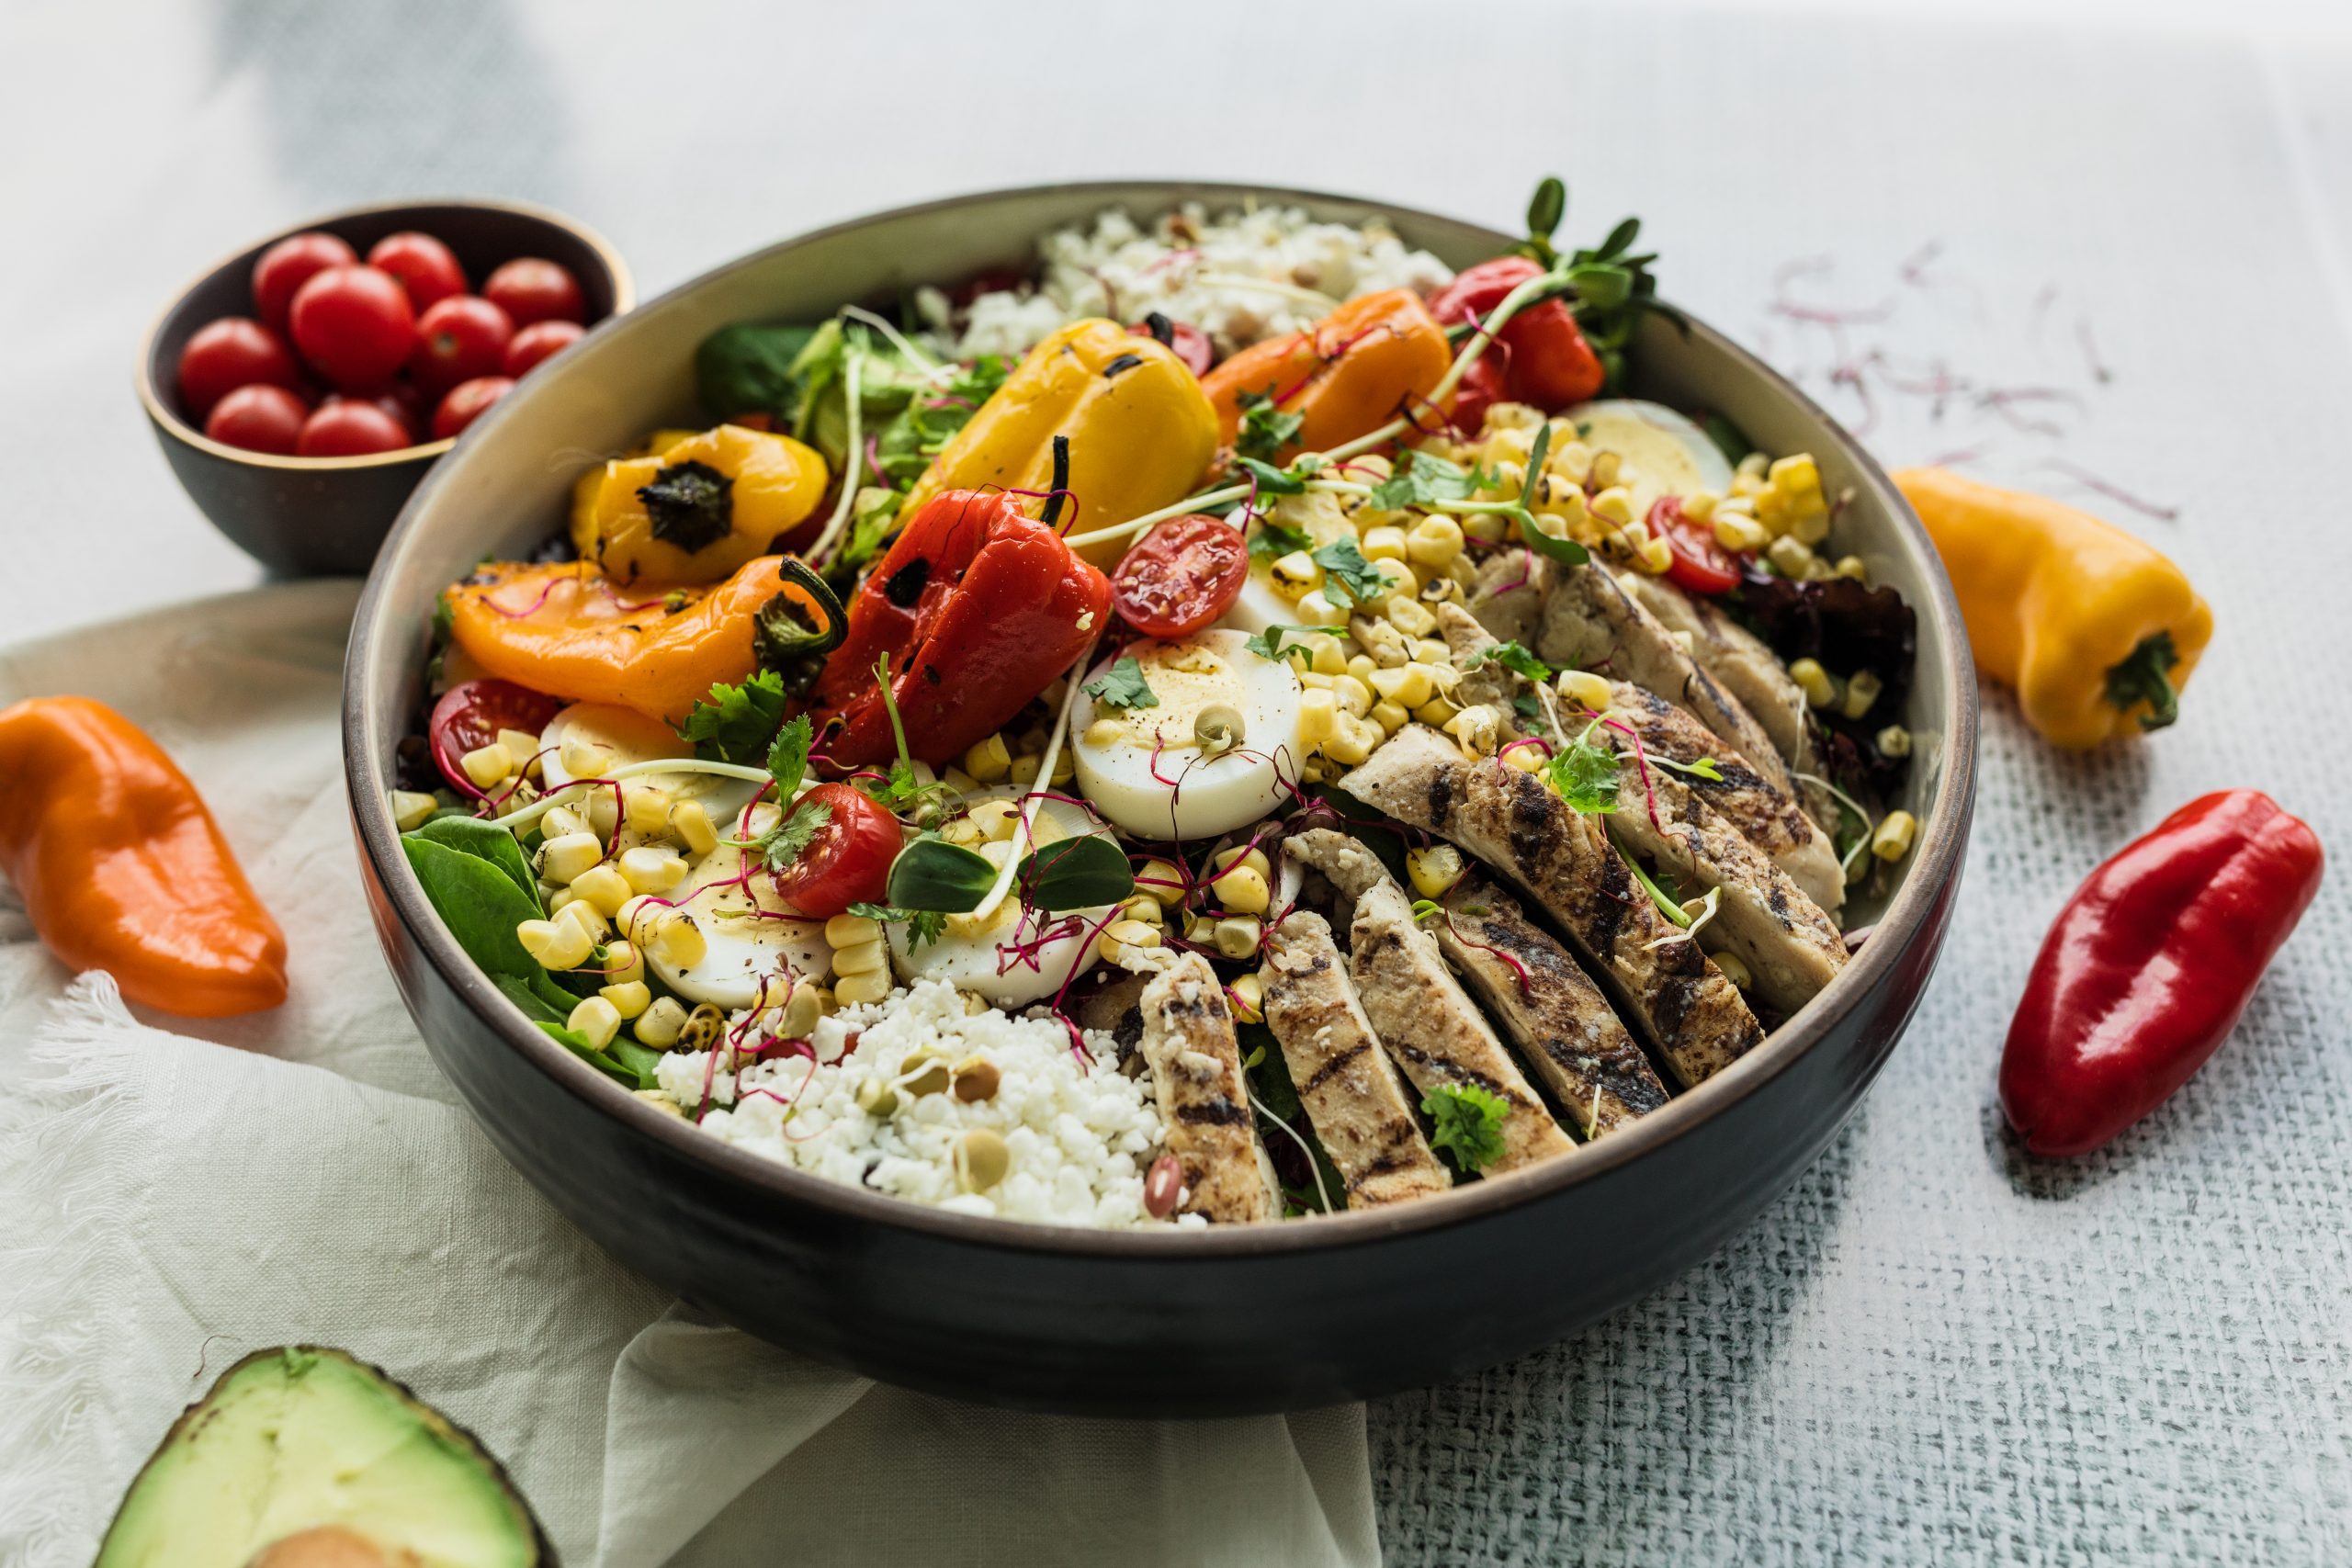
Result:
pixel 458 339
pixel 848 861
pixel 355 326
pixel 1701 564
pixel 1179 577
pixel 1182 339
pixel 232 352
pixel 398 401
pixel 530 289
pixel 466 403
pixel 348 427
pixel 470 715
pixel 427 269
pixel 538 342
pixel 283 269
pixel 259 418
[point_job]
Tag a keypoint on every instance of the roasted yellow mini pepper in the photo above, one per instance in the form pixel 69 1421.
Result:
pixel 697 507
pixel 1140 430
pixel 2097 631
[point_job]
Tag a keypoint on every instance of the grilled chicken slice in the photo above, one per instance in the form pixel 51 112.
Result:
pixel 1742 666
pixel 1467 637
pixel 1592 623
pixel 1203 1103
pixel 1563 860
pixel 1417 1008
pixel 1765 816
pixel 1558 1017
pixel 1508 598
pixel 1345 1080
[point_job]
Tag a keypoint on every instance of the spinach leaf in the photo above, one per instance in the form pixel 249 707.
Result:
pixel 1075 873
pixel 748 368
pixel 480 903
pixel 471 835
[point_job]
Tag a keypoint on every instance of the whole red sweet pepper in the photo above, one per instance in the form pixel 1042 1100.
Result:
pixel 2149 965
pixel 978 609
pixel 1545 360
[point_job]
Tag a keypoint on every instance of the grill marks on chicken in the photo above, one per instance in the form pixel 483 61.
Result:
pixel 1204 1100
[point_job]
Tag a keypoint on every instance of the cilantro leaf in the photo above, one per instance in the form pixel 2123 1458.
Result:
pixel 1273 539
pixel 1271 480
pixel 923 925
pixel 788 758
pixel 1426 480
pixel 1469 1124
pixel 1514 658
pixel 1586 777
pixel 1123 685
pixel 734 724
pixel 782 844
pixel 1343 563
pixel 1265 429
pixel 1527 705
pixel 1268 644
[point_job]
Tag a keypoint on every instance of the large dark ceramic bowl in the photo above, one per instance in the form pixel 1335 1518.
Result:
pixel 319 516
pixel 1194 1323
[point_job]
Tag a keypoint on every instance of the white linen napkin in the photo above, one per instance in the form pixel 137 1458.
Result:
pixel 169 1202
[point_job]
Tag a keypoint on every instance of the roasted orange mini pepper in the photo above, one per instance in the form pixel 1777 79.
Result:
pixel 569 631
pixel 1346 375
pixel 122 868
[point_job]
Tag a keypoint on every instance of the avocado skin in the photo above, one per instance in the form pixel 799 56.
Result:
pixel 193 1420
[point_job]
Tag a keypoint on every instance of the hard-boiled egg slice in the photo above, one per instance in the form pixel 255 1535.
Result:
pixel 1143 768
pixel 621 736
pixel 1664 453
pixel 751 940
pixel 1020 956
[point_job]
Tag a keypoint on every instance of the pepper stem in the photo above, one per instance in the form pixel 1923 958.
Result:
pixel 2145 676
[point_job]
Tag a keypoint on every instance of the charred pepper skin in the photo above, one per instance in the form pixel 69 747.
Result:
pixel 122 868
pixel 2150 965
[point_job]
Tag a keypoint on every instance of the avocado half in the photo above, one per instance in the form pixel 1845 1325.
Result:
pixel 304 1457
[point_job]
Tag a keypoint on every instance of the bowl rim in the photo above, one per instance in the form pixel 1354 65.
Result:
pixel 1935 859
pixel 159 408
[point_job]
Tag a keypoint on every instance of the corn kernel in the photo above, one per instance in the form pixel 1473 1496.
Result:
pixel 1809 529
pixel 1790 555
pixel 1389 717
pixel 1614 504
pixel 1163 880
pixel 1330 657
pixel 1397 574
pixel 660 1023
pixel 1851 565
pixel 564 859
pixel 1894 741
pixel 1145 907
pixel 1237 936
pixel 1361 666
pixel 1313 682
pixel 1409 615
pixel 1319 716
pixel 1814 681
pixel 1437 713
pixel 1026 769
pixel 1862 690
pixel 989 760
pixel 1585 689
pixel 595 1020
pixel 554 944
pixel 1316 608
pixel 995 819
pixel 522 746
pixel 1485 527
pixel 1353 742
pixel 1699 505
pixel 1121 935
pixel 1751 468
pixel 629 997
pixel 621 964
pixel 848 930
pixel 1353 696
pixel 1795 474
pixel 1526 758
pixel 1739 534
pixel 1733 969
pixel 1408 686
pixel 638 918
pixel 1477 729
pixel 488 766
pixel 1296 573
pixel 587 916
pixel 1248 994
pixel 584 758
pixel 854 990
pixel 679 942
pixel 650 868
pixel 1892 841
pixel 861 957
pixel 1434 869
pixel 411 808
pixel 1242 890
pixel 1571 458
pixel 559 821
pixel 1385 543
pixel 690 820
pixel 1434 541
pixel 1654 557
pixel 606 887
pixel 646 809
pixel 603 814
pixel 1736 506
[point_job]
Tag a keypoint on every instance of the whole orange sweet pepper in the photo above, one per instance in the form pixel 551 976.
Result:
pixel 569 631
pixel 122 868
pixel 1346 375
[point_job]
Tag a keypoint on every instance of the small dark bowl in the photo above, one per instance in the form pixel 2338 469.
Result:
pixel 1215 1322
pixel 325 516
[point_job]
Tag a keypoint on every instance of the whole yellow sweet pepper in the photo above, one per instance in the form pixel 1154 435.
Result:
pixel 2096 630
pixel 1140 429
pixel 699 505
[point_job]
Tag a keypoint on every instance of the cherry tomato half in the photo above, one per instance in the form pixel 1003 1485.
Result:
pixel 259 418
pixel 1183 574
pixel 849 860
pixel 282 269
pixel 355 326
pixel 458 339
pixel 232 352
pixel 470 715
pixel 532 290
pixel 466 403
pixel 1699 564
pixel 351 428
pixel 427 269
pixel 1185 341
pixel 540 341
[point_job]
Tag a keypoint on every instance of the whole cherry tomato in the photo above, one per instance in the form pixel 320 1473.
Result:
pixel 466 403
pixel 355 326
pixel 848 861
pixel 470 715
pixel 540 341
pixel 1546 361
pixel 259 418
pixel 531 289
pixel 426 268
pixel 1183 574
pixel 231 353
pixel 348 427
pixel 1700 565
pixel 458 339
pixel 397 402
pixel 1187 341
pixel 282 269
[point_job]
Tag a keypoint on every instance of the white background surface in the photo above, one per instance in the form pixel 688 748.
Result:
pixel 1933 1350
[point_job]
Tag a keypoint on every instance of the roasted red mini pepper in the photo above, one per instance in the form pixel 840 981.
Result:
pixel 978 609
pixel 2149 966
pixel 1545 360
